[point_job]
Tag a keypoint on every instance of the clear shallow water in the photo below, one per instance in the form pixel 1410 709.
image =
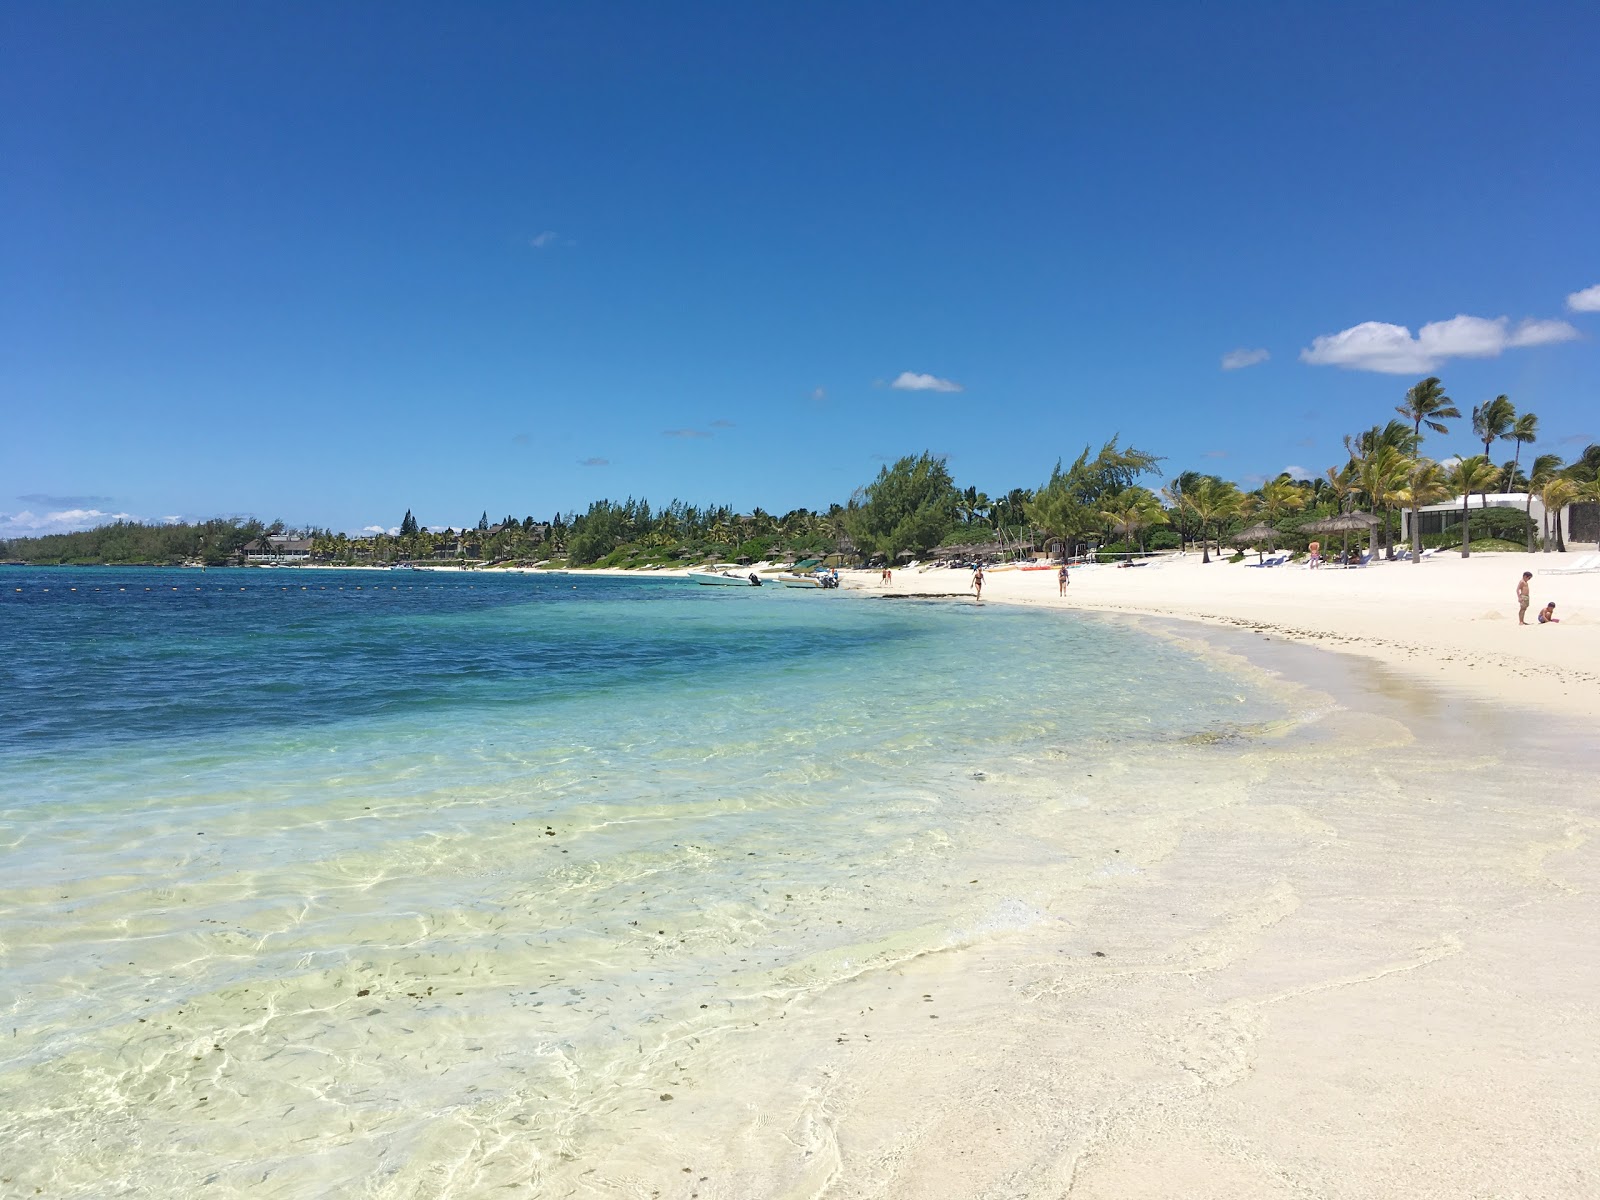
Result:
pixel 420 885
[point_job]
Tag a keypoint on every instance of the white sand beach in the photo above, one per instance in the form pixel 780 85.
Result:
pixel 1449 621
pixel 1346 961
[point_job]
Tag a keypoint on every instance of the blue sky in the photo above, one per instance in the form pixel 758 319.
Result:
pixel 327 262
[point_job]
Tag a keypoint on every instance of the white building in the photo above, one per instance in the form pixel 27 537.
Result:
pixel 1436 518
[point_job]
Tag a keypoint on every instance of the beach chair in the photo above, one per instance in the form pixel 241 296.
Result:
pixel 1583 566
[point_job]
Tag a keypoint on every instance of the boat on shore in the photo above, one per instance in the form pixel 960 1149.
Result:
pixel 725 579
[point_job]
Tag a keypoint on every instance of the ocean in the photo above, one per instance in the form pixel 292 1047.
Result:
pixel 413 884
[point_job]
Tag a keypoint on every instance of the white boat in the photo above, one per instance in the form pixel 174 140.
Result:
pixel 725 579
pixel 818 579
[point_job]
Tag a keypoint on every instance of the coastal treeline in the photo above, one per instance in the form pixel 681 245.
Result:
pixel 1109 501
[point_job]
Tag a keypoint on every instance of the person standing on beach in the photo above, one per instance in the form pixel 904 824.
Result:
pixel 1314 552
pixel 1522 598
pixel 1063 579
pixel 977 583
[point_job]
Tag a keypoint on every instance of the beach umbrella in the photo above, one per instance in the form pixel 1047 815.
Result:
pixel 1343 523
pixel 1254 534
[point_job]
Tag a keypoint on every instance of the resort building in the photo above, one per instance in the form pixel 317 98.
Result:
pixel 276 548
pixel 1438 518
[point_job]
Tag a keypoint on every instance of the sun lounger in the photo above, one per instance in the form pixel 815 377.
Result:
pixel 1365 559
pixel 1584 565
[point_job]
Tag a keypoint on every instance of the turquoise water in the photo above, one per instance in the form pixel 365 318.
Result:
pixel 421 884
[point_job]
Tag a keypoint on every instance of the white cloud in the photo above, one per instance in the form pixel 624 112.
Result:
pixel 1295 472
pixel 1213 454
pixel 1235 360
pixel 594 462
pixel 31 524
pixel 819 394
pixel 910 381
pixel 173 520
pixel 685 433
pixel 1391 349
pixel 1587 300
pixel 541 240
pixel 379 529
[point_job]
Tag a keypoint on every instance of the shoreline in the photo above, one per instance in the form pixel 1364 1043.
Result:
pixel 1450 622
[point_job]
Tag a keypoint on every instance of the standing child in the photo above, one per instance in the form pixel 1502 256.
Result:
pixel 1522 598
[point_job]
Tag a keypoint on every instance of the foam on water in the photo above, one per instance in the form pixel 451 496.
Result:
pixel 431 889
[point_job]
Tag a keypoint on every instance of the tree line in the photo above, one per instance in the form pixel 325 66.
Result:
pixel 915 508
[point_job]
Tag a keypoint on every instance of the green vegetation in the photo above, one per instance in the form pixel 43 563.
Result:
pixel 914 508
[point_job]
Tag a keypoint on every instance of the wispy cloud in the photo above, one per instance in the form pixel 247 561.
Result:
pixel 1576 439
pixel 722 424
pixel 1392 350
pixel 522 439
pixel 1236 360
pixel 46 500
pixel 1214 454
pixel 1306 443
pixel 1587 300
pixel 819 394
pixel 910 381
pixel 685 433
pixel 1295 472
pixel 28 523
pixel 594 462
pixel 549 238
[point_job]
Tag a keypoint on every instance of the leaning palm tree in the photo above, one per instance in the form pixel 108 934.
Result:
pixel 1468 475
pixel 1557 493
pixel 1425 483
pixel 1490 420
pixel 1542 472
pixel 1212 501
pixel 1426 403
pixel 1524 431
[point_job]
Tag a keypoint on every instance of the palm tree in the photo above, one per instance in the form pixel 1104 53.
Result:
pixel 1468 476
pixel 1132 511
pixel 1490 420
pixel 1557 493
pixel 1425 484
pixel 1543 470
pixel 1426 403
pixel 1378 476
pixel 1274 500
pixel 1524 432
pixel 1212 501
pixel 1341 483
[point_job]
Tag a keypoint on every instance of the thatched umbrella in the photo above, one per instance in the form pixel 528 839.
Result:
pixel 1343 523
pixel 1254 534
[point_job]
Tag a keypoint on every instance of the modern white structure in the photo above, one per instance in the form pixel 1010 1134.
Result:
pixel 1436 518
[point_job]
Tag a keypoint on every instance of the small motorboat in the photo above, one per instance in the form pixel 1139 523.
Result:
pixel 725 579
pixel 817 579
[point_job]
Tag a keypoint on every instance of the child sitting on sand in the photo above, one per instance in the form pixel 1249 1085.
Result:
pixel 1547 614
